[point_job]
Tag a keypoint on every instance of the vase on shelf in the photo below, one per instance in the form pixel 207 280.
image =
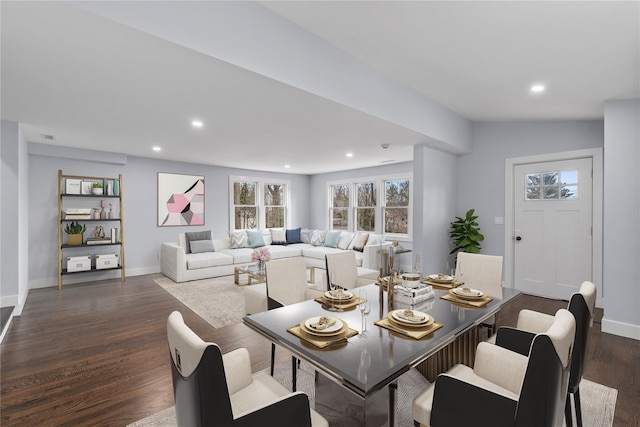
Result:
pixel 103 213
pixel 111 211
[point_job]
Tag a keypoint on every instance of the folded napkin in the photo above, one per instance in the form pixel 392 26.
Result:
pixel 323 323
pixel 410 316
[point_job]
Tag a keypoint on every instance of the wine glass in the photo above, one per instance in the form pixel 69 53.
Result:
pixel 459 274
pixel 416 264
pixel 333 287
pixel 362 305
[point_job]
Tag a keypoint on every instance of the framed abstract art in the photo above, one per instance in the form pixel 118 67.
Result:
pixel 180 199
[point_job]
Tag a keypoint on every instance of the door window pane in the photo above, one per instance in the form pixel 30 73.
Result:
pixel 560 185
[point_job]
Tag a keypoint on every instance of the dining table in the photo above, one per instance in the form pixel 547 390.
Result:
pixel 356 376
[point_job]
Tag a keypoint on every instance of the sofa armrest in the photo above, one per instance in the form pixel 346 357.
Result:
pixel 371 255
pixel 173 261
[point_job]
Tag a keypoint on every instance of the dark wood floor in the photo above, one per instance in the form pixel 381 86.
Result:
pixel 96 354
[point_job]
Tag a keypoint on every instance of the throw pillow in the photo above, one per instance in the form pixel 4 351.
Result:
pixel 305 235
pixel 345 239
pixel 255 238
pixel 196 235
pixel 293 236
pixel 278 236
pixel 317 239
pixel 375 239
pixel 239 239
pixel 359 241
pixel 331 239
pixel 199 246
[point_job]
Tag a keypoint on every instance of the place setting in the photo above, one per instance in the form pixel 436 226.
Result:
pixel 338 299
pixel 323 331
pixel 467 297
pixel 409 323
pixel 442 281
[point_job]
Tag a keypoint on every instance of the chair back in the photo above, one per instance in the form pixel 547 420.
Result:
pixel 483 272
pixel 343 265
pixel 286 281
pixel 199 382
pixel 542 396
pixel 582 306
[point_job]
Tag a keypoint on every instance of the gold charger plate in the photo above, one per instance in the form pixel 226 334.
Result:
pixel 332 332
pixel 429 320
pixel 414 333
pixel 466 303
pixel 323 342
pixel 467 293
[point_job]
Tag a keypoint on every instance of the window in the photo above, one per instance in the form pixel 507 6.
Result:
pixel 561 185
pixel 366 203
pixel 245 206
pixel 274 206
pixel 339 202
pixel 377 205
pixel 396 206
pixel 254 209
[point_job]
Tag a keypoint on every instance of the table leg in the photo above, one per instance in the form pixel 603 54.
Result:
pixel 312 275
pixel 236 276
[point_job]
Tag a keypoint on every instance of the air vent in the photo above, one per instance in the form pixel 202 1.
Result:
pixel 47 137
pixel 388 161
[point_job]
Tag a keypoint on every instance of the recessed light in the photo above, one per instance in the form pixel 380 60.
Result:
pixel 287 166
pixel 537 88
pixel 157 149
pixel 197 124
pixel 349 154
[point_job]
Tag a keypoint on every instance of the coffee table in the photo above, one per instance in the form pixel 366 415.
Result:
pixel 252 272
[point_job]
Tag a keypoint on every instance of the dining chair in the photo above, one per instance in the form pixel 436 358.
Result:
pixel 286 282
pixel 582 306
pixel 343 266
pixel 215 389
pixel 482 272
pixel 504 387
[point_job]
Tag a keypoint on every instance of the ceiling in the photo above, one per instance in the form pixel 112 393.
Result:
pixel 88 81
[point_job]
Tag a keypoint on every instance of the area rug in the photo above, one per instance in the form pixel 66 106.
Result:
pixel 598 401
pixel 218 300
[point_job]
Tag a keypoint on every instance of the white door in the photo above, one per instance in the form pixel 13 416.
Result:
pixel 553 227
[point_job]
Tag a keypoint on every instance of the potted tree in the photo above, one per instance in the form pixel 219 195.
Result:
pixel 75 232
pixel 465 234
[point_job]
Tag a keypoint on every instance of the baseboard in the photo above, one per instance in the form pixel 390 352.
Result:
pixel 626 330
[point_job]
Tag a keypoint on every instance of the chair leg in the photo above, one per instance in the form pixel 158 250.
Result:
pixel 576 402
pixel 416 424
pixel 568 417
pixel 294 373
pixel 273 356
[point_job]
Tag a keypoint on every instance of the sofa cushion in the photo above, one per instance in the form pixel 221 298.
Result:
pixel 239 239
pixel 375 239
pixel 278 236
pixel 359 241
pixel 255 238
pixel 331 239
pixel 317 239
pixel 284 251
pixel 239 256
pixel 197 235
pixel 207 259
pixel 345 239
pixel 293 236
pixel 305 235
pixel 200 246
pixel 319 252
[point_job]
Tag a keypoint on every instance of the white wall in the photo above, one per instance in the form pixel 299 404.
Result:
pixel 142 236
pixel 621 269
pixel 14 230
pixel 481 173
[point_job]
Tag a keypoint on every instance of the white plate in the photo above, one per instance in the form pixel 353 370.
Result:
pixel 467 293
pixel 445 279
pixel 396 315
pixel 345 295
pixel 333 328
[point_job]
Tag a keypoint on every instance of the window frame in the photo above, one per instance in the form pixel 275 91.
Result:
pixel 260 200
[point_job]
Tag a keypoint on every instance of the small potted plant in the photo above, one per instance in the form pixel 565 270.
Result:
pixel 75 232
pixel 96 188
pixel 465 233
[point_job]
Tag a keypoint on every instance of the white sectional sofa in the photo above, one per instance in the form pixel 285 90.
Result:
pixel 218 257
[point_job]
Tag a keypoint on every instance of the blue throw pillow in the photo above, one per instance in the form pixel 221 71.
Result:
pixel 331 239
pixel 293 236
pixel 255 238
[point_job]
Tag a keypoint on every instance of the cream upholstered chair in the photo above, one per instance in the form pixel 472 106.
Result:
pixel 505 387
pixel 483 272
pixel 582 306
pixel 343 265
pixel 215 389
pixel 287 284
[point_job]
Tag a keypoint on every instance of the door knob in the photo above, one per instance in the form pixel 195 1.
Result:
pixel 518 238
